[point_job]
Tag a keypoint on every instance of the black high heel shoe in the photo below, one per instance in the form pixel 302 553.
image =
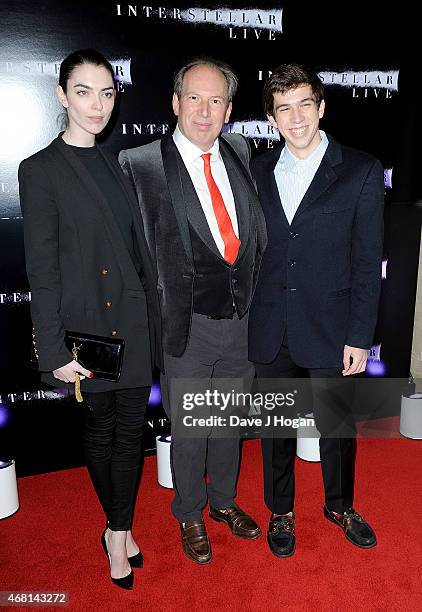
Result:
pixel 136 560
pixel 126 582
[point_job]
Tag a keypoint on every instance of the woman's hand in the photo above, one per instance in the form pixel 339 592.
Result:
pixel 67 373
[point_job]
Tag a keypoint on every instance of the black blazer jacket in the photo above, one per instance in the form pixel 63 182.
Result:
pixel 320 276
pixel 155 171
pixel 80 272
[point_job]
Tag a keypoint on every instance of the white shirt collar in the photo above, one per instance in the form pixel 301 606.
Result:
pixel 290 161
pixel 189 151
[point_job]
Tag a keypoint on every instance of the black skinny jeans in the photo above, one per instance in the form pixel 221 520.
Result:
pixel 114 427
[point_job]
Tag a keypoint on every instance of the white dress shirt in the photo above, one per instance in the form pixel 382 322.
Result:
pixel 191 155
pixel 293 175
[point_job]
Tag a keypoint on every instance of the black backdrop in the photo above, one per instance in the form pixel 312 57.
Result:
pixel 371 89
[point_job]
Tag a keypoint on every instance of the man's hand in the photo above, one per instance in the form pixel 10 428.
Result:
pixel 67 373
pixel 358 362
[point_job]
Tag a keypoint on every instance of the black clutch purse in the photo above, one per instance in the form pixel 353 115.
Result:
pixel 101 355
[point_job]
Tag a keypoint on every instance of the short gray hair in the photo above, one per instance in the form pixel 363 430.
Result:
pixel 226 70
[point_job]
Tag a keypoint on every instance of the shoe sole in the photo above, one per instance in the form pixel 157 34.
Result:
pixel 238 535
pixel 347 537
pixel 281 556
pixel 196 560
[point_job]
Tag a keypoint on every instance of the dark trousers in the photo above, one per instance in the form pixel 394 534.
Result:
pixel 114 426
pixel 337 454
pixel 217 349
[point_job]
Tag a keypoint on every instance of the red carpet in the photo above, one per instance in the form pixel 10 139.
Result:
pixel 53 544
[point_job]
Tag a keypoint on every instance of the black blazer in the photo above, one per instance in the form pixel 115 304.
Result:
pixel 80 272
pixel 320 276
pixel 156 173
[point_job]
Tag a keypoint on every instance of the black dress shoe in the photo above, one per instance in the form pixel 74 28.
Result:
pixel 126 582
pixel 195 542
pixel 136 560
pixel 240 523
pixel 355 528
pixel 281 535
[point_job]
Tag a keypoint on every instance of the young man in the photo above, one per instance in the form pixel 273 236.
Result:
pixel 205 228
pixel 315 305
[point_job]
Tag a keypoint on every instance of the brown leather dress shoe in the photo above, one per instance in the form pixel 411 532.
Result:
pixel 240 523
pixel 195 542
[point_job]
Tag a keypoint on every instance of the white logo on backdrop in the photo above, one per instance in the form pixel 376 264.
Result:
pixel 268 19
pixel 388 178
pixel 241 23
pixel 380 84
pixel 15 297
pixel 374 79
pixel 120 66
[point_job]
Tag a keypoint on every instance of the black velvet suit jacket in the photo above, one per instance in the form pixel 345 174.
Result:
pixel 320 276
pixel 167 210
pixel 80 272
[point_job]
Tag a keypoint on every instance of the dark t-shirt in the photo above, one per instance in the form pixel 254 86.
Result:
pixel 115 196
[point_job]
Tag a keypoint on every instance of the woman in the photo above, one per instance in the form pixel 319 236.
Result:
pixel 89 271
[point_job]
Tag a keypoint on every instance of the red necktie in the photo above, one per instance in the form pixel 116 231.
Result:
pixel 231 241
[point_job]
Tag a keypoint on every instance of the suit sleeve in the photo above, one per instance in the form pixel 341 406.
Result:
pixel 41 238
pixel 126 167
pixel 367 248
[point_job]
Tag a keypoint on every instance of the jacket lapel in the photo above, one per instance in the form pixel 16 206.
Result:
pixel 270 188
pixel 136 214
pixel 247 184
pixel 195 212
pixel 240 189
pixel 125 262
pixel 186 203
pixel 172 170
pixel 324 177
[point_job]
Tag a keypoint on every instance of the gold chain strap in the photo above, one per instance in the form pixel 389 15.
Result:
pixel 78 394
pixel 75 352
